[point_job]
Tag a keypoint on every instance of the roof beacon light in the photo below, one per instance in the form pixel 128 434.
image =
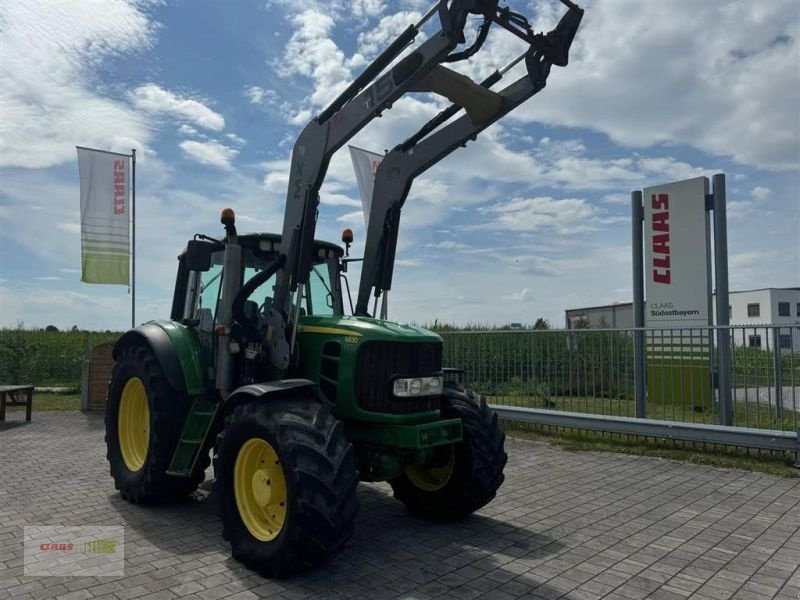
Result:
pixel 347 238
pixel 228 217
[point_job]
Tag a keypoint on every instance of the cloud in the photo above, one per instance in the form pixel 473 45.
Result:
pixel 565 217
pixel 236 139
pixel 448 245
pixel 48 98
pixel 156 100
pixel 209 153
pixel 760 192
pixel 187 130
pixel 524 295
pixel 311 52
pixel 408 262
pixel 255 94
pixel 721 76
pixel 374 40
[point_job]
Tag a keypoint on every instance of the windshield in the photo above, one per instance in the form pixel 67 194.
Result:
pixel 318 299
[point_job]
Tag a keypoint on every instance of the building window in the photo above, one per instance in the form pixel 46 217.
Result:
pixel 785 340
pixel 754 310
pixel 784 309
pixel 730 312
pixel 798 309
pixel 754 341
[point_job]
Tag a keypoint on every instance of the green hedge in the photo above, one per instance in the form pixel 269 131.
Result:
pixel 46 358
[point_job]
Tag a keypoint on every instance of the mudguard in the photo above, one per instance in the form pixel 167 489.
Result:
pixel 177 350
pixel 283 389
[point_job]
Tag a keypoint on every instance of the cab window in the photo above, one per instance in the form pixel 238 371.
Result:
pixel 208 292
pixel 319 298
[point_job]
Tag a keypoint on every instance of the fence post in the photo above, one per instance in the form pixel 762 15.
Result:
pixel 776 357
pixel 637 216
pixel 723 315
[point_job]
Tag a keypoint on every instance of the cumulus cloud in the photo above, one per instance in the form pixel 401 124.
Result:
pixel 567 216
pixel 311 52
pixel 156 100
pixel 47 100
pixel 720 76
pixel 209 153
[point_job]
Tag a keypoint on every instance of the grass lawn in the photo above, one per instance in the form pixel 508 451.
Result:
pixel 52 402
pixel 762 461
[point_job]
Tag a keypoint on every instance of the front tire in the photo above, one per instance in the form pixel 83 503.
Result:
pixel 465 476
pixel 286 481
pixel 144 418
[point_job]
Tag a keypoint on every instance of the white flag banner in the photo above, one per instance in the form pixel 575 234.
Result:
pixel 105 216
pixel 365 164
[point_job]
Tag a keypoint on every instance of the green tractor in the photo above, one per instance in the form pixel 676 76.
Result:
pixel 259 364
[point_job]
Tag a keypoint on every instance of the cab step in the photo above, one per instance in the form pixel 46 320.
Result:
pixel 193 437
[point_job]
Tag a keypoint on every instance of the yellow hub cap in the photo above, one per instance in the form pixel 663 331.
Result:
pixel 432 479
pixel 260 489
pixel 133 424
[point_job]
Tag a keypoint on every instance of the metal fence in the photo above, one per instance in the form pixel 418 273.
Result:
pixel 578 378
pixel 584 378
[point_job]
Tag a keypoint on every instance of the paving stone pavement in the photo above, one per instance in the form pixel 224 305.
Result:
pixel 578 526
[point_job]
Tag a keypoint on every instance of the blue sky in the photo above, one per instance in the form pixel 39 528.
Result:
pixel 530 220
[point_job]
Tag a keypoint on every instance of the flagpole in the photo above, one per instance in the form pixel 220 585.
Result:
pixel 133 244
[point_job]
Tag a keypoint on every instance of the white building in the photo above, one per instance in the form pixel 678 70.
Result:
pixel 749 309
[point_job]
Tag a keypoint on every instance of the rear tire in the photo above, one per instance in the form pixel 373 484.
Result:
pixel 286 481
pixel 139 459
pixel 468 477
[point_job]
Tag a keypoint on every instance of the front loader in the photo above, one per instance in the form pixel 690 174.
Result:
pixel 259 363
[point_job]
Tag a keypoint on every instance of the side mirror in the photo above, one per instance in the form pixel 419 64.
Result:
pixel 198 255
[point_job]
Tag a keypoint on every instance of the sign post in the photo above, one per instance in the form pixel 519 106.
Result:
pixel 677 291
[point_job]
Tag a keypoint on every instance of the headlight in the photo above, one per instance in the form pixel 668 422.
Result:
pixel 418 386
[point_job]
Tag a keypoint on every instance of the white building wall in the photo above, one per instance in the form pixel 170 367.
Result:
pixel 613 316
pixel 768 308
pixel 620 316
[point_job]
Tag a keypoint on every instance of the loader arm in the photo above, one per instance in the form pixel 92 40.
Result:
pixel 432 143
pixel 366 98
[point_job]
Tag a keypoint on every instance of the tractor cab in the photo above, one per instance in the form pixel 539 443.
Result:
pixel 198 285
pixel 199 301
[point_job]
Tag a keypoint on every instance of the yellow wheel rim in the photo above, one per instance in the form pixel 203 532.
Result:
pixel 260 489
pixel 432 479
pixel 133 424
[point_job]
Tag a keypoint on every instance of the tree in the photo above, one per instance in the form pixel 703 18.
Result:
pixel 541 324
pixel 51 328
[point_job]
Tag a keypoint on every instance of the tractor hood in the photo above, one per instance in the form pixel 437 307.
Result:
pixel 365 328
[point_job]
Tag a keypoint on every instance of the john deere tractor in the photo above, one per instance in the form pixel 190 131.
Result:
pixel 297 398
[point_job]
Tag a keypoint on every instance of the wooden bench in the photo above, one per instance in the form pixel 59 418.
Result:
pixel 11 395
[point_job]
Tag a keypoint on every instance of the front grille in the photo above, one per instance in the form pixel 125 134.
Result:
pixel 380 362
